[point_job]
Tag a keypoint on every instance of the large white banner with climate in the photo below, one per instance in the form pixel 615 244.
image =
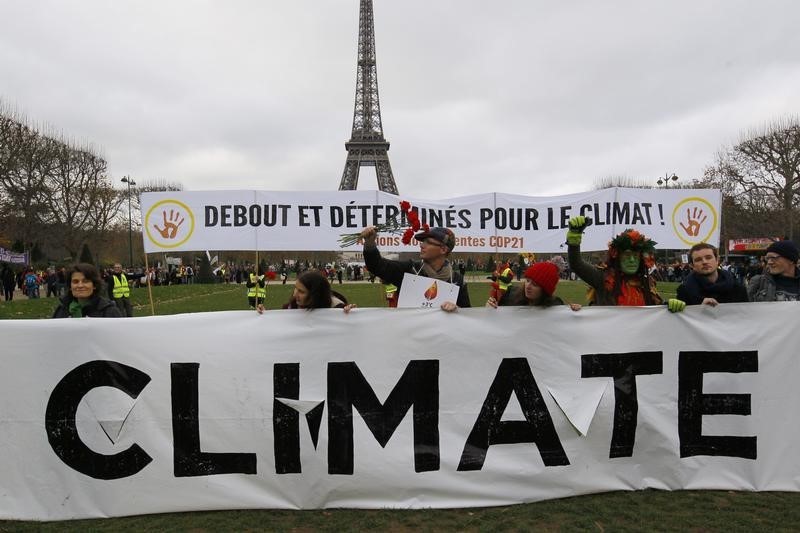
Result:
pixel 392 408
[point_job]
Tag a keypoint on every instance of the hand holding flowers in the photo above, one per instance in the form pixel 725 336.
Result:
pixel 392 227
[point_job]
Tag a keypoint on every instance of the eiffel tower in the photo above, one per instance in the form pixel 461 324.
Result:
pixel 367 145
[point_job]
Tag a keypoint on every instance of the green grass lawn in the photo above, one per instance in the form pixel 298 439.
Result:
pixel 725 511
pixel 173 299
pixel 696 511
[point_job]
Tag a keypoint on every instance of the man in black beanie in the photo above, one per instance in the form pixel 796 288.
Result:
pixel 780 282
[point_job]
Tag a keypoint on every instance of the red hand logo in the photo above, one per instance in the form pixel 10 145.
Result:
pixel 692 226
pixel 171 224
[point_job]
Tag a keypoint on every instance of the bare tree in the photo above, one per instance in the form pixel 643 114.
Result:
pixel 159 184
pixel 51 190
pixel 620 181
pixel 155 185
pixel 743 214
pixel 80 201
pixel 25 158
pixel 763 170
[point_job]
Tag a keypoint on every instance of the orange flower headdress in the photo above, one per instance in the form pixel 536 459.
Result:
pixel 631 239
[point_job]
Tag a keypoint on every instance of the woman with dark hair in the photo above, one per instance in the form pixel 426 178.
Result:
pixel 83 297
pixel 313 291
pixel 539 289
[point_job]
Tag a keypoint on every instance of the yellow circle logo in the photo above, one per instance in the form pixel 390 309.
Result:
pixel 166 223
pixel 694 220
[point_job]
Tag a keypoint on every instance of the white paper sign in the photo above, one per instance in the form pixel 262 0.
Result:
pixel 426 293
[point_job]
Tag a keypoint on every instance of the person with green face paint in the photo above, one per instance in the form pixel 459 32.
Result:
pixel 625 279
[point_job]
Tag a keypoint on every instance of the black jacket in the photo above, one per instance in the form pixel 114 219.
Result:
pixel 516 296
pixel 98 307
pixel 725 290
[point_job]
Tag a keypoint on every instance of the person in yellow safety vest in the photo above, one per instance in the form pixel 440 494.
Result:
pixel 256 289
pixel 121 291
pixel 391 295
pixel 501 278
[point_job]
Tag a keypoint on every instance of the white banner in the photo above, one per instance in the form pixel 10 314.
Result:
pixel 7 256
pixel 398 408
pixel 493 222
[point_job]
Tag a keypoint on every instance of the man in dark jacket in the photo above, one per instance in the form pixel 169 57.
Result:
pixel 52 282
pixel 708 284
pixel 435 246
pixel 8 281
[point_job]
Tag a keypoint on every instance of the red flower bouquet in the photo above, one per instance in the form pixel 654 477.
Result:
pixel 392 227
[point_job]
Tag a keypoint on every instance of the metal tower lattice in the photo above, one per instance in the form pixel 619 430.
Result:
pixel 367 145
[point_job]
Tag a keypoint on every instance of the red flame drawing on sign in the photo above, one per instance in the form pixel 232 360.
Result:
pixel 432 291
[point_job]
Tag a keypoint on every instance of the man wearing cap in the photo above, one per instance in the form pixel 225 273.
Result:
pixel 435 245
pixel 780 282
pixel 708 284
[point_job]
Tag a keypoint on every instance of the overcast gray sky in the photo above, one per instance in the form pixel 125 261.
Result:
pixel 514 96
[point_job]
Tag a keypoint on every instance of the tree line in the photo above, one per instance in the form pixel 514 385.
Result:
pixel 57 198
pixel 52 190
pixel 760 181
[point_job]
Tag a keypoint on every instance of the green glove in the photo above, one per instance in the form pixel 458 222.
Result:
pixel 575 232
pixel 675 306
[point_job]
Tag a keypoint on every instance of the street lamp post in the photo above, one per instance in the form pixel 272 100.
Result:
pixel 664 182
pixel 130 183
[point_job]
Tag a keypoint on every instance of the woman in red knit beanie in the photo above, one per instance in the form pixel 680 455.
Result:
pixel 540 285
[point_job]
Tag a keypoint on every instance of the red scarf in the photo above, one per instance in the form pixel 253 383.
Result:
pixel 631 293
